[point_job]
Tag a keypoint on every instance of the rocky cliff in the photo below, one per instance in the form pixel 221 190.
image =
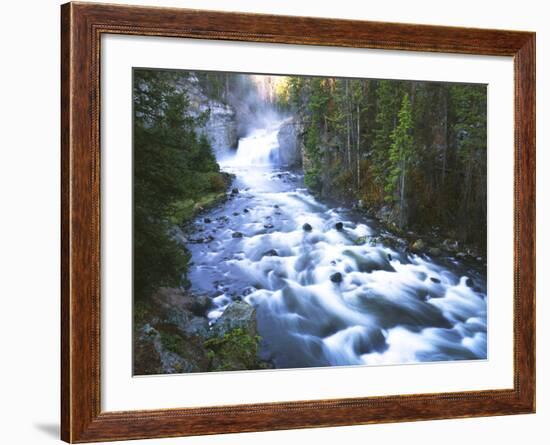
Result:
pixel 291 141
pixel 221 125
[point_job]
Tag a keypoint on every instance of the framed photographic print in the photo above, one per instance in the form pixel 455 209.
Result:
pixel 275 222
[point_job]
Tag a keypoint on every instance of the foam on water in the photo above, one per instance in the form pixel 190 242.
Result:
pixel 389 308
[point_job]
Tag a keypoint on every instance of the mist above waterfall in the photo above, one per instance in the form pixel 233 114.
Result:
pixel 258 119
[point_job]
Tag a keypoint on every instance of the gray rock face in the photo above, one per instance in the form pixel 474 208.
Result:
pixel 290 141
pixel 154 357
pixel 221 125
pixel 238 314
pixel 183 310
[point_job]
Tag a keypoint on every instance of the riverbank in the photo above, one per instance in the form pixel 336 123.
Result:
pixel 172 334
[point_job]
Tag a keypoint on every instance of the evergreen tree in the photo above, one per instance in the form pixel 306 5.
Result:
pixel 401 158
pixel 170 165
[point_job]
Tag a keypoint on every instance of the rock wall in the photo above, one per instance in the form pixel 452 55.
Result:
pixel 291 141
pixel 221 126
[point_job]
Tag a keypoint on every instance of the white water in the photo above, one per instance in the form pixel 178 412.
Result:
pixel 389 308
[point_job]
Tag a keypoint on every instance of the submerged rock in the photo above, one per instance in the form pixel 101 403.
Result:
pixel 271 252
pixel 369 262
pixel 237 235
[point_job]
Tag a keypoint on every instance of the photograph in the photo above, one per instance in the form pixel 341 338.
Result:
pixel 289 221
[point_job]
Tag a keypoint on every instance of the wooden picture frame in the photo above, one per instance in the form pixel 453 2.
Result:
pixel 82 26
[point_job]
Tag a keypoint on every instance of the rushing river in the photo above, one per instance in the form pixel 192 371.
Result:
pixel 333 294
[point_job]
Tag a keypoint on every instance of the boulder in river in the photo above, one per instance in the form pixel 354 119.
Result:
pixel 371 261
pixel 234 191
pixel 339 226
pixel 307 227
pixel 238 314
pixel 271 252
pixel 418 246
pixel 237 235
pixel 336 277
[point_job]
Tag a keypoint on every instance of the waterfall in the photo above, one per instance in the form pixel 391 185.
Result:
pixel 259 148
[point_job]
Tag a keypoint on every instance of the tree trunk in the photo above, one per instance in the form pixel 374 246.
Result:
pixel 348 122
pixel 358 147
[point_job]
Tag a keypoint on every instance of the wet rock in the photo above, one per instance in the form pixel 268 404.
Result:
pixel 336 277
pixel 469 282
pixel 450 245
pixel 390 257
pixel 307 227
pixel 237 235
pixel 268 226
pixel 207 220
pixel 271 252
pixel 420 275
pixel 339 226
pixel 238 314
pixel 246 210
pixel 434 251
pixel 276 206
pixel 371 261
pixel 200 304
pixel 234 191
pixel 435 280
pixel 361 240
pixel 418 246
pixel 235 213
pixel 182 309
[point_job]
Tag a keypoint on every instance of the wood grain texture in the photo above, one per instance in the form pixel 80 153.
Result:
pixel 82 26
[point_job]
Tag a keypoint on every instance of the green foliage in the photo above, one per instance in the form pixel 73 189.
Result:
pixel 236 349
pixel 401 153
pixel 418 148
pixel 172 164
pixel 171 341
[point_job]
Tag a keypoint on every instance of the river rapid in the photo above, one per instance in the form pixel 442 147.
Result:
pixel 326 291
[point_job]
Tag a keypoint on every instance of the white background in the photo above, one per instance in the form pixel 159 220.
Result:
pixel 121 392
pixel 29 235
